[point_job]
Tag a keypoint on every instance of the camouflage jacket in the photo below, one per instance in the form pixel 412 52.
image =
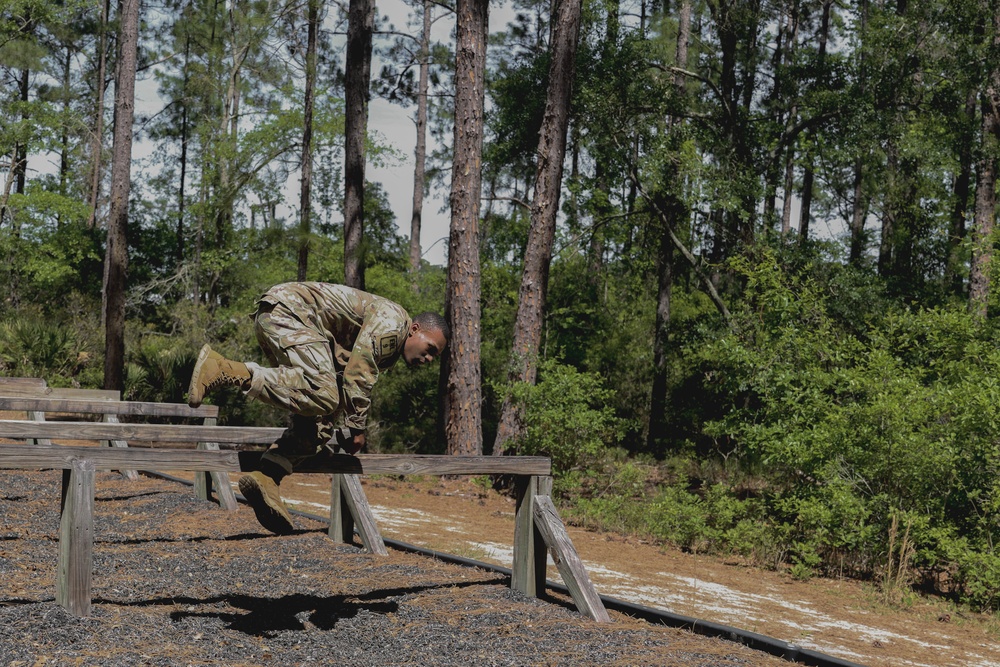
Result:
pixel 366 334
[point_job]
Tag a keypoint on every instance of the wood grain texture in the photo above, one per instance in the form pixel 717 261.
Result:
pixel 36 457
pixel 15 428
pixel 571 568
pixel 361 512
pixel 165 458
pixel 76 540
pixel 100 407
pixel 528 569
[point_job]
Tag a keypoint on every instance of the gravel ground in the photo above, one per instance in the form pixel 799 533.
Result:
pixel 179 581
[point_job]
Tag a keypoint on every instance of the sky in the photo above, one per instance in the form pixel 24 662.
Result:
pixel 392 124
pixel 395 125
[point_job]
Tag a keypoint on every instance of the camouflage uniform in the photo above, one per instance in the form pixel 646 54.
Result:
pixel 328 344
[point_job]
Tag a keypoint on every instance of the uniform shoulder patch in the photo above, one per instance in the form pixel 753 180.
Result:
pixel 387 344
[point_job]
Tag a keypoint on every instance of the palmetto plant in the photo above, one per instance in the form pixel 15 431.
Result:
pixel 36 348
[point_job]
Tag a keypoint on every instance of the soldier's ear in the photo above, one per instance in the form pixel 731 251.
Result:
pixel 414 328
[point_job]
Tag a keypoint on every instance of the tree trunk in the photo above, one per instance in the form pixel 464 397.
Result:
pixel 67 86
pixel 181 203
pixel 810 170
pixel 97 144
pixel 420 152
pixel 962 188
pixel 21 151
pixel 805 204
pixel 305 204
pixel 859 212
pixel 889 223
pixel 544 207
pixel 786 204
pixel 463 422
pixel 116 257
pixel 361 18
pixel 656 428
pixel 980 271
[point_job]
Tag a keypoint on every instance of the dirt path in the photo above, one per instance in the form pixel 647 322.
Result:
pixel 839 618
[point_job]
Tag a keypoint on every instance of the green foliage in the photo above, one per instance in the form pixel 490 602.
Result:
pixel 567 417
pixel 34 345
pixel 856 428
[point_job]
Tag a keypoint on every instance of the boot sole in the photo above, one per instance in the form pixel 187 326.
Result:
pixel 273 518
pixel 195 395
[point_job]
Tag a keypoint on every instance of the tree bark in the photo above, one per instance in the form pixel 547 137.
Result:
pixel 810 170
pixel 980 271
pixel 185 122
pixel 116 255
pixel 420 152
pixel 463 422
pixel 360 24
pixel 544 207
pixel 305 197
pixel 962 188
pixel 97 143
pixel 656 428
pixel 859 211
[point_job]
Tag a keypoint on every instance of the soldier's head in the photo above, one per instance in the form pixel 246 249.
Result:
pixel 429 335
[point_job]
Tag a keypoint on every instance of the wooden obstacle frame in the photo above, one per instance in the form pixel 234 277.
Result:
pixel 538 528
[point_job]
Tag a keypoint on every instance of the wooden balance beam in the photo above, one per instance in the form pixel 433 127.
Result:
pixel 537 524
pixel 40 401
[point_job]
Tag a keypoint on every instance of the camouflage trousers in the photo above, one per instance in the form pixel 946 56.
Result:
pixel 303 380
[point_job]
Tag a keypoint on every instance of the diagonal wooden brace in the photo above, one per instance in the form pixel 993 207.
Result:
pixel 349 506
pixel 537 526
pixel 574 574
pixel 205 481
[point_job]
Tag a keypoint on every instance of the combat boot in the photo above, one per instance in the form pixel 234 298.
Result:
pixel 212 371
pixel 262 495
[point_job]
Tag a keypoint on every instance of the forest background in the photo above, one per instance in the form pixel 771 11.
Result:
pixel 762 323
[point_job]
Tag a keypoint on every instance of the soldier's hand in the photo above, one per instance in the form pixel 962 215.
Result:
pixel 355 444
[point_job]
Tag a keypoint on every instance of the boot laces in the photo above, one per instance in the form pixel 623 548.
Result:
pixel 223 379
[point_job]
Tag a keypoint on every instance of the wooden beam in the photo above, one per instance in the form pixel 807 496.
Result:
pixel 128 474
pixel 427 464
pixel 100 407
pixel 69 393
pixel 574 574
pixel 165 458
pixel 341 528
pixel 13 428
pixel 76 540
pixel 204 481
pixel 38 416
pixel 33 457
pixel 530 556
pixel 35 383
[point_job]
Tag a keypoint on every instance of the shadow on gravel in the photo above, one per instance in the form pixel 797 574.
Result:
pixel 266 617
pixel 127 496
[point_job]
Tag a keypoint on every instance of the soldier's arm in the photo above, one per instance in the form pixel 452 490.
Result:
pixel 377 339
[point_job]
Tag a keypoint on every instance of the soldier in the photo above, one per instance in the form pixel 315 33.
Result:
pixel 327 345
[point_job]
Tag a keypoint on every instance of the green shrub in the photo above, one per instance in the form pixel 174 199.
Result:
pixel 567 415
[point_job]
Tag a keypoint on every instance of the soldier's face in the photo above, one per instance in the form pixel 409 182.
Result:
pixel 423 345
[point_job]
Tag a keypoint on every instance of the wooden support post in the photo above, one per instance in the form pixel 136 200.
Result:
pixel 205 480
pixel 76 539
pixel 360 512
pixel 130 475
pixel 38 416
pixel 528 571
pixel 570 566
pixel 341 528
